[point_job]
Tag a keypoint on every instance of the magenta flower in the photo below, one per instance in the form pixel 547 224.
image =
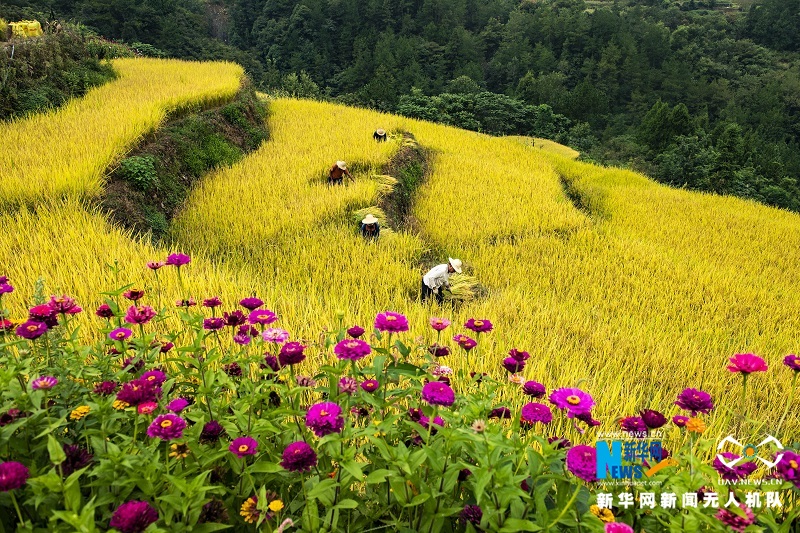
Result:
pixel 233 370
pixel 139 391
pixel 77 458
pixel 155 265
pixel 438 350
pixel 534 389
pixel 243 446
pixel 104 311
pixel 13 475
pixel 234 318
pixel 325 418
pixel 439 324
pixel 212 302
pixel 265 317
pixel 146 408
pixel 500 412
pixel 133 517
pixel 355 331
pixel 271 362
pixel 213 323
pixel 185 302
pixel 177 405
pixel 391 322
pixel 535 412
pixel 134 294
pixel 478 325
pixel 43 313
pixel 106 388
pixel 211 433
pixel 575 401
pixel 298 457
pixel 63 304
pixel 291 354
pixel 696 401
pixel 438 393
pixel 582 462
pixel 617 527
pixel 738 522
pixel 120 334
pixel 633 424
pixel 31 330
pixel 680 420
pixel 653 419
pixel 788 468
pixel 370 385
pixel 792 361
pixel 242 339
pixel 472 514
pixel 44 383
pixel 465 342
pixel 178 260
pixel 139 315
pixel 154 377
pixel 275 335
pixel 739 471
pixel 251 303
pixel 519 355
pixel 5 288
pixel 167 427
pixel 352 349
pixel 747 363
pixel 348 385
pixel 167 346
pixel 513 365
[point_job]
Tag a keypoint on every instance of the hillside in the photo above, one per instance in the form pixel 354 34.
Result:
pixel 195 415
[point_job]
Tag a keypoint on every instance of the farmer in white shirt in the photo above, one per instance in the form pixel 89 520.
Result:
pixel 438 278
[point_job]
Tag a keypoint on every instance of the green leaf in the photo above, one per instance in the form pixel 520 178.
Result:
pixel 378 476
pixel 346 504
pixel 512 525
pixel 419 499
pixel 264 467
pixel 57 455
pixel 323 488
pixel 353 469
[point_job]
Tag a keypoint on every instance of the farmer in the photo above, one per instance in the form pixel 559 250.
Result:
pixel 370 229
pixel 337 172
pixel 438 278
pixel 379 135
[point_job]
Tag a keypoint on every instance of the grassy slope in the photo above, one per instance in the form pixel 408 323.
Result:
pixel 646 294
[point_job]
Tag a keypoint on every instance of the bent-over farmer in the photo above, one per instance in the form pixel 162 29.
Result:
pixel 438 278
pixel 370 229
pixel 337 173
pixel 379 135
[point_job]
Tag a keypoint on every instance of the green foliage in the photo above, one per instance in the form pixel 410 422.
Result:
pixel 140 171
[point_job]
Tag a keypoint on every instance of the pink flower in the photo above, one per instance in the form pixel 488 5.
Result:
pixel 155 265
pixel 439 324
pixel 178 260
pixel 747 363
pixel 139 315
pixel 478 325
pixel 391 322
pixel 147 407
pixel 265 317
pixel 243 446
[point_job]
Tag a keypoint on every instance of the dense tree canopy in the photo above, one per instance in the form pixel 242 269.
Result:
pixel 693 96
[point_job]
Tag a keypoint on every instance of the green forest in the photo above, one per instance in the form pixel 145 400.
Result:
pixel 696 94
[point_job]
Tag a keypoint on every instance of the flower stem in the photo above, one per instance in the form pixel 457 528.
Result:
pixel 744 394
pixel 16 506
pixel 789 403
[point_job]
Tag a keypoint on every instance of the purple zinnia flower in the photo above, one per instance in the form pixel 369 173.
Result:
pixel 133 517
pixel 348 385
pixel 167 427
pixel 472 514
pixel 251 303
pixel 31 330
pixel 696 401
pixel 291 354
pixel 680 420
pixel 519 355
pixel 500 412
pixel 139 391
pixel 534 388
pixel 5 288
pixel 788 468
pixel 178 260
pixel 739 471
pixel 212 432
pixel 792 361
pixel 177 405
pixel 214 323
pixel 617 527
pixel 275 335
pixel 370 385
pixel 633 424
pixel 582 462
pixel 535 412
pixel 44 383
pixel 513 365
pixel 248 330
pixel 120 334
pixel 265 317
pixel 747 363
pixel 299 457
pixel 104 311
pixel 139 315
pixel 77 458
pixel 575 401
pixel 13 475
pixel 133 294
pixel 478 325
pixel 106 388
pixel 559 442
pixel 271 362
pixel 233 370
pixel 212 302
pixel 438 393
pixel 355 331
pixel 736 521
pixel 391 322
pixel 325 418
pixel 154 377
pixel 439 324
pixel 243 446
pixel 438 350
pixel 465 342
pixel 425 422
pixel 43 313
pixel 242 340
pixel 352 349
pixel 653 419
pixel 234 318
pixel 587 418
pixel 63 304
pixel 306 381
